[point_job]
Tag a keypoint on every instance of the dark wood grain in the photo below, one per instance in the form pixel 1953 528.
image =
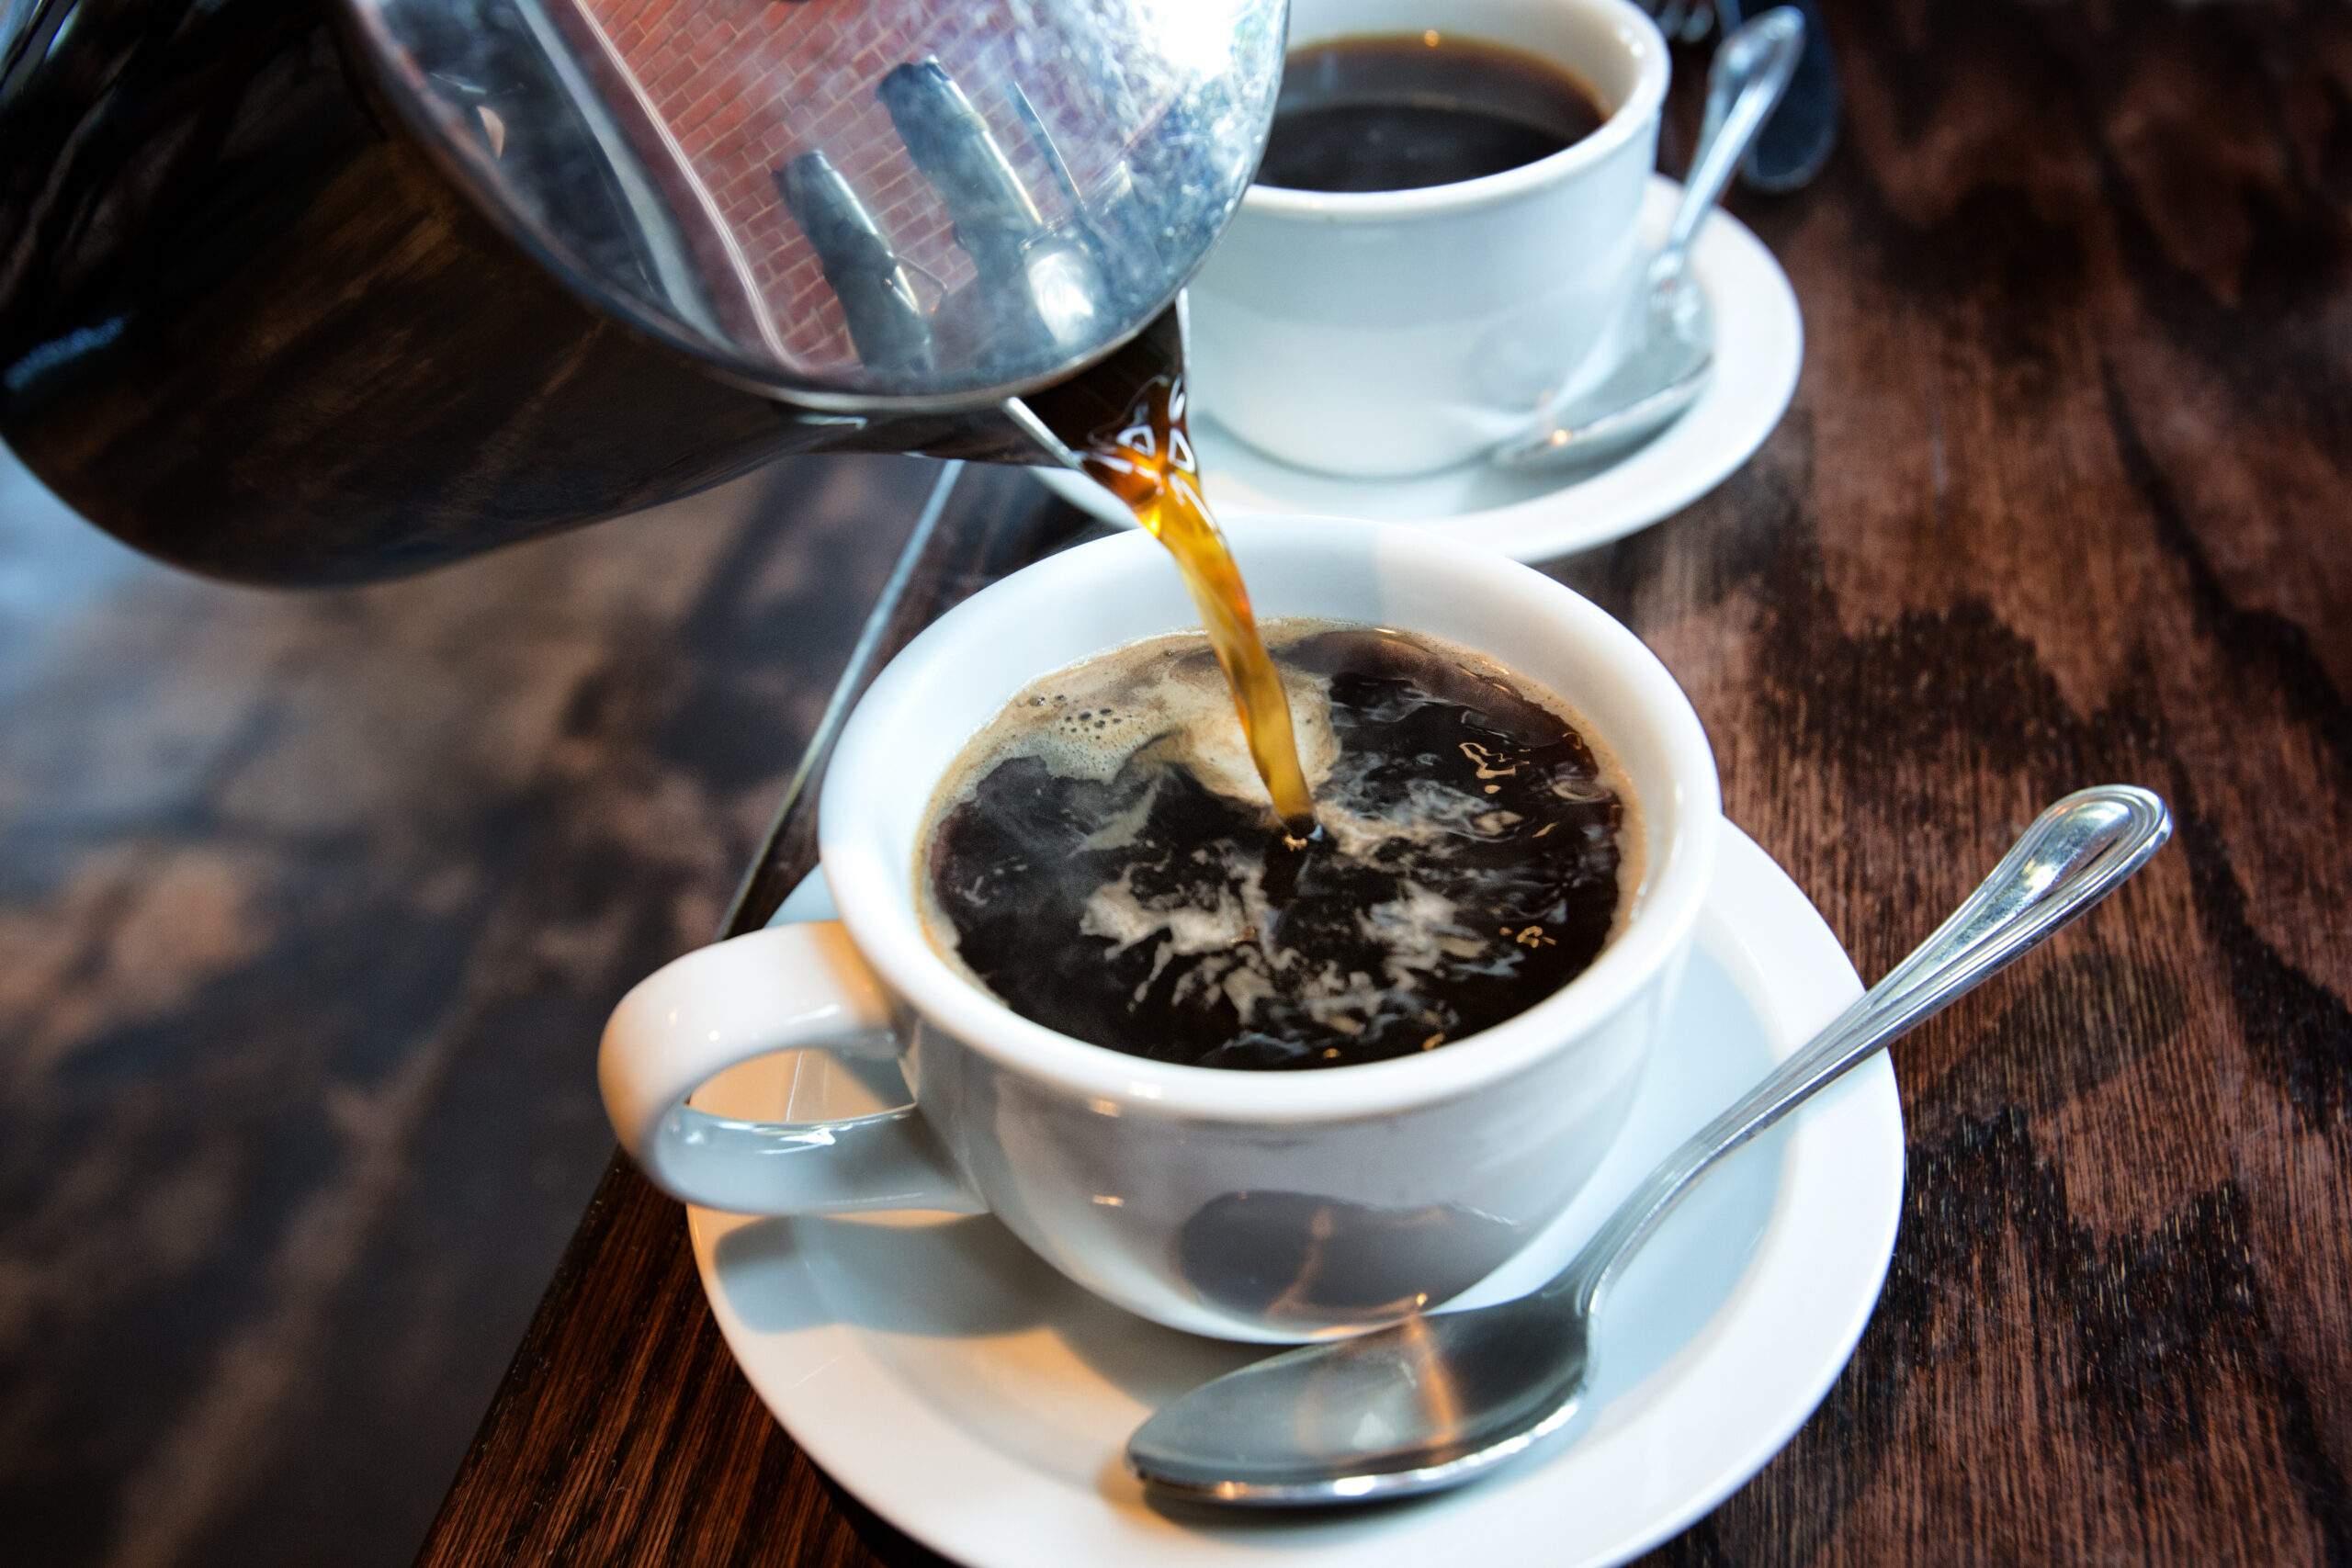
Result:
pixel 2062 498
pixel 585 1419
pixel 310 909
pixel 611 1447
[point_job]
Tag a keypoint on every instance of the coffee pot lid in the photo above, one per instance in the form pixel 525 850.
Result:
pixel 853 204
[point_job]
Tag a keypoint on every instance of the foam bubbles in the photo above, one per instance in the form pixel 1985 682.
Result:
pixel 1105 861
pixel 1087 721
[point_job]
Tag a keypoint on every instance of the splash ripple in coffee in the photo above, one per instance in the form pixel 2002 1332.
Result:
pixel 1099 858
pixel 1402 112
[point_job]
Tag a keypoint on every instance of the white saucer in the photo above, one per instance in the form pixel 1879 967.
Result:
pixel 1539 516
pixel 978 1401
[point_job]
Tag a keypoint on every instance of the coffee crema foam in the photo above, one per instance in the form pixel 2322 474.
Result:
pixel 1103 856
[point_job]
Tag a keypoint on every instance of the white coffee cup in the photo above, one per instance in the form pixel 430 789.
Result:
pixel 1381 334
pixel 1267 1206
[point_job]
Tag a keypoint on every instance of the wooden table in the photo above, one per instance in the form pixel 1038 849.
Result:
pixel 2065 496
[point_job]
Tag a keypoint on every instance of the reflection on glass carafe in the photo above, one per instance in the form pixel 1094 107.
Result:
pixel 323 290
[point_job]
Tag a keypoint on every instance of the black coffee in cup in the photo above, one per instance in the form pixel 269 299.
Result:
pixel 1402 111
pixel 1099 858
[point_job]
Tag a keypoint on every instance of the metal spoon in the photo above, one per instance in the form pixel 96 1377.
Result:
pixel 1672 350
pixel 1797 140
pixel 1434 1401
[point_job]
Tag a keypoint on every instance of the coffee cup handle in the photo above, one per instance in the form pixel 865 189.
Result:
pixel 788 987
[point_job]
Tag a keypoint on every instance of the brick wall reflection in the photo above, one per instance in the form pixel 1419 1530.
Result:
pixel 745 85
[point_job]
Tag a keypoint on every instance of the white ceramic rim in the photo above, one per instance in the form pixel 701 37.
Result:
pixel 872 882
pixel 1642 40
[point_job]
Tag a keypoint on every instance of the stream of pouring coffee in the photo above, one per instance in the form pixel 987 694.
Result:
pixel 1138 447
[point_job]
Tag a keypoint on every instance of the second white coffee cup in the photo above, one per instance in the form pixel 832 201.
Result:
pixel 1381 333
pixel 1249 1205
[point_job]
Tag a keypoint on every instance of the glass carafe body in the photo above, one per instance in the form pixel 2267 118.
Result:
pixel 313 291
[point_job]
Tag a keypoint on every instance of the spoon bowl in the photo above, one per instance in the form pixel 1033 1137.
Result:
pixel 1431 1403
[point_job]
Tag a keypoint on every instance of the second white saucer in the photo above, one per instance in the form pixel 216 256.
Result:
pixel 1538 516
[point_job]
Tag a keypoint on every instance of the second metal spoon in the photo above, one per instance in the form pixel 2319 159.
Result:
pixel 1435 1401
pixel 1670 351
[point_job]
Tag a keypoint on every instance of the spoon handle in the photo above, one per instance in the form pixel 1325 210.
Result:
pixel 2075 853
pixel 1750 71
